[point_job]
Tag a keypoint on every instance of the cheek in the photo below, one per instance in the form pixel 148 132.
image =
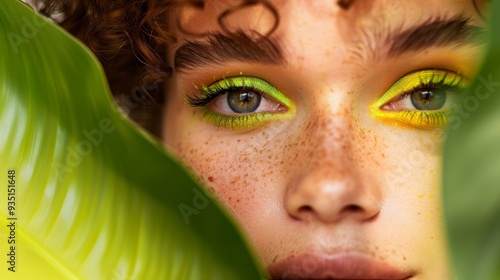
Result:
pixel 412 174
pixel 243 172
pixel 406 165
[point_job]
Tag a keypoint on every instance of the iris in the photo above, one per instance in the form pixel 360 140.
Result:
pixel 244 101
pixel 429 99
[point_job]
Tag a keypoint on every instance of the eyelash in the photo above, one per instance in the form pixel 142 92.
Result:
pixel 441 83
pixel 206 95
pixel 400 90
pixel 427 80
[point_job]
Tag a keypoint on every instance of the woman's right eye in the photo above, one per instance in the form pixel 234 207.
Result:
pixel 245 101
pixel 242 102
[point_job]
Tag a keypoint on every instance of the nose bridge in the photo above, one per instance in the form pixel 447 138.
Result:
pixel 331 135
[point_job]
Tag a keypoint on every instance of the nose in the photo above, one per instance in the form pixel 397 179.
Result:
pixel 330 185
pixel 329 196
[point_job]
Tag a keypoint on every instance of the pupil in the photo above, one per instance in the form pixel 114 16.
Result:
pixel 245 97
pixel 243 101
pixel 428 99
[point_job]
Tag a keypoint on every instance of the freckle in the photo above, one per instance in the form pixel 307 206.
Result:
pixel 237 200
pixel 210 178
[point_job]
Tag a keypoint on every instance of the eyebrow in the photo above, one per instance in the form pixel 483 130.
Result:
pixel 436 32
pixel 220 48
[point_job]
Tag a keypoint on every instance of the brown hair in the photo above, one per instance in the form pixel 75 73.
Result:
pixel 131 40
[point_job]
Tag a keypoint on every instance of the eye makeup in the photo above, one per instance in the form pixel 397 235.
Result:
pixel 241 102
pixel 421 99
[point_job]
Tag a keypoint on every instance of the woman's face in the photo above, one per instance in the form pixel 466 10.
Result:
pixel 323 140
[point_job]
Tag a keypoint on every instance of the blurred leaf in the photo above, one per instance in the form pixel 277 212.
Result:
pixel 472 172
pixel 95 197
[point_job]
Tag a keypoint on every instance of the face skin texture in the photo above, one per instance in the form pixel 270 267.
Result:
pixel 329 178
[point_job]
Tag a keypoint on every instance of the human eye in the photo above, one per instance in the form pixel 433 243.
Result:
pixel 421 99
pixel 241 102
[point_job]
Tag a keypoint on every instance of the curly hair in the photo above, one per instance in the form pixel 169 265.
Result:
pixel 116 28
pixel 131 39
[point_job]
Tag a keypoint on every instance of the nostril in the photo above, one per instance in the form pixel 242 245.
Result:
pixel 352 208
pixel 349 208
pixel 305 209
pixel 344 4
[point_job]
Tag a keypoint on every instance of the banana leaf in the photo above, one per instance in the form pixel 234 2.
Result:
pixel 96 198
pixel 471 173
pixel 86 194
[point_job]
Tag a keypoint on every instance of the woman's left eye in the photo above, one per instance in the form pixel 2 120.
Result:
pixel 421 99
pixel 424 99
pixel 241 102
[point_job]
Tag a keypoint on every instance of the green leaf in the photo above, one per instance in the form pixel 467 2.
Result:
pixel 95 198
pixel 472 172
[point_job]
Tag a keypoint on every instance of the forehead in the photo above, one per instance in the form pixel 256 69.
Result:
pixel 324 14
pixel 314 30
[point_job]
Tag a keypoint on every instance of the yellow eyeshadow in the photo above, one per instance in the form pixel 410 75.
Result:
pixel 416 119
pixel 414 81
pixel 422 78
pixel 243 122
pixel 249 120
pixel 251 82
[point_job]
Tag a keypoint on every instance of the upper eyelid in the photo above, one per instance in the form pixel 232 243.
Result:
pixel 459 81
pixel 264 87
pixel 450 86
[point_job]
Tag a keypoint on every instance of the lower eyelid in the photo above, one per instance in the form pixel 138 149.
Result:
pixel 416 119
pixel 389 111
pixel 245 121
pixel 277 105
pixel 237 122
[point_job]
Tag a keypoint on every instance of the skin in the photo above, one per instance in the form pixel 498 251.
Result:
pixel 332 177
